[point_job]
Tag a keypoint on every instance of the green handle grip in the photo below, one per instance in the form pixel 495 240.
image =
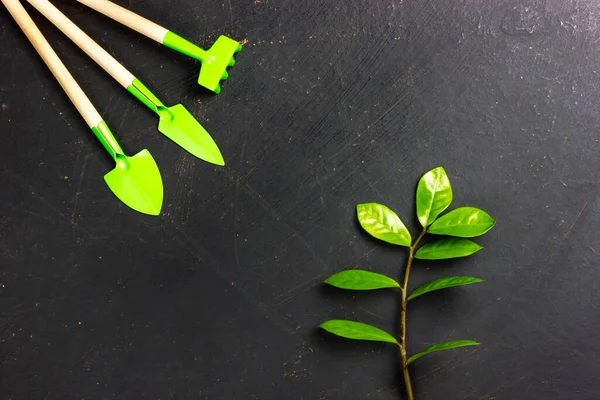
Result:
pixel 107 139
pixel 143 94
pixel 184 46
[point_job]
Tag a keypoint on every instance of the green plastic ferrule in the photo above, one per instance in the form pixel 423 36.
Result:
pixel 184 46
pixel 143 94
pixel 107 139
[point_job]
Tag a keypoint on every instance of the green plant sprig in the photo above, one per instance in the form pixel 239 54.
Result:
pixel 434 195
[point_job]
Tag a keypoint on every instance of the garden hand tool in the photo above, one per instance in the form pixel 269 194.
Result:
pixel 214 60
pixel 175 122
pixel 135 180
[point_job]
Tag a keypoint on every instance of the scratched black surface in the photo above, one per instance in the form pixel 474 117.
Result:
pixel 330 104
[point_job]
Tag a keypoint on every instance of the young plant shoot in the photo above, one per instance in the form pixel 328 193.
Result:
pixel 434 195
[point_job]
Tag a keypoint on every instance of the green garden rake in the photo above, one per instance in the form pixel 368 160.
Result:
pixel 214 60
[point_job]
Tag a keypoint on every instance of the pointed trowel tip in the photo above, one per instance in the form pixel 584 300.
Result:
pixel 182 128
pixel 216 159
pixel 209 153
pixel 220 161
pixel 154 210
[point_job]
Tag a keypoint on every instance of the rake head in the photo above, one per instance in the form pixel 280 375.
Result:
pixel 218 58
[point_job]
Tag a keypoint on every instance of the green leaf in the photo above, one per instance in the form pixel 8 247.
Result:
pixel 447 248
pixel 383 224
pixel 463 222
pixel 357 331
pixel 434 195
pixel 443 346
pixel 443 284
pixel 357 279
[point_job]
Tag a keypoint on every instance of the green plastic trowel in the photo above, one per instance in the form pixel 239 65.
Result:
pixel 175 122
pixel 214 60
pixel 179 125
pixel 135 180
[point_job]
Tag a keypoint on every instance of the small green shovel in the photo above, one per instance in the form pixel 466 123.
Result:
pixel 214 60
pixel 135 180
pixel 175 122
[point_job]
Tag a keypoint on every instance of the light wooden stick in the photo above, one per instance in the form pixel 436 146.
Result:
pixel 60 72
pixel 86 43
pixel 128 18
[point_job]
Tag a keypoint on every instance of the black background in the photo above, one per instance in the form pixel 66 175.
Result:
pixel 330 104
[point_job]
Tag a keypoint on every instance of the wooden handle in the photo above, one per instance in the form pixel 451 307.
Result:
pixel 85 43
pixel 60 72
pixel 128 18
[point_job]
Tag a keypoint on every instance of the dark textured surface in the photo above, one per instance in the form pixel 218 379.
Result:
pixel 331 103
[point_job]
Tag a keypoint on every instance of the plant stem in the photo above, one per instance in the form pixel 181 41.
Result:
pixel 411 256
